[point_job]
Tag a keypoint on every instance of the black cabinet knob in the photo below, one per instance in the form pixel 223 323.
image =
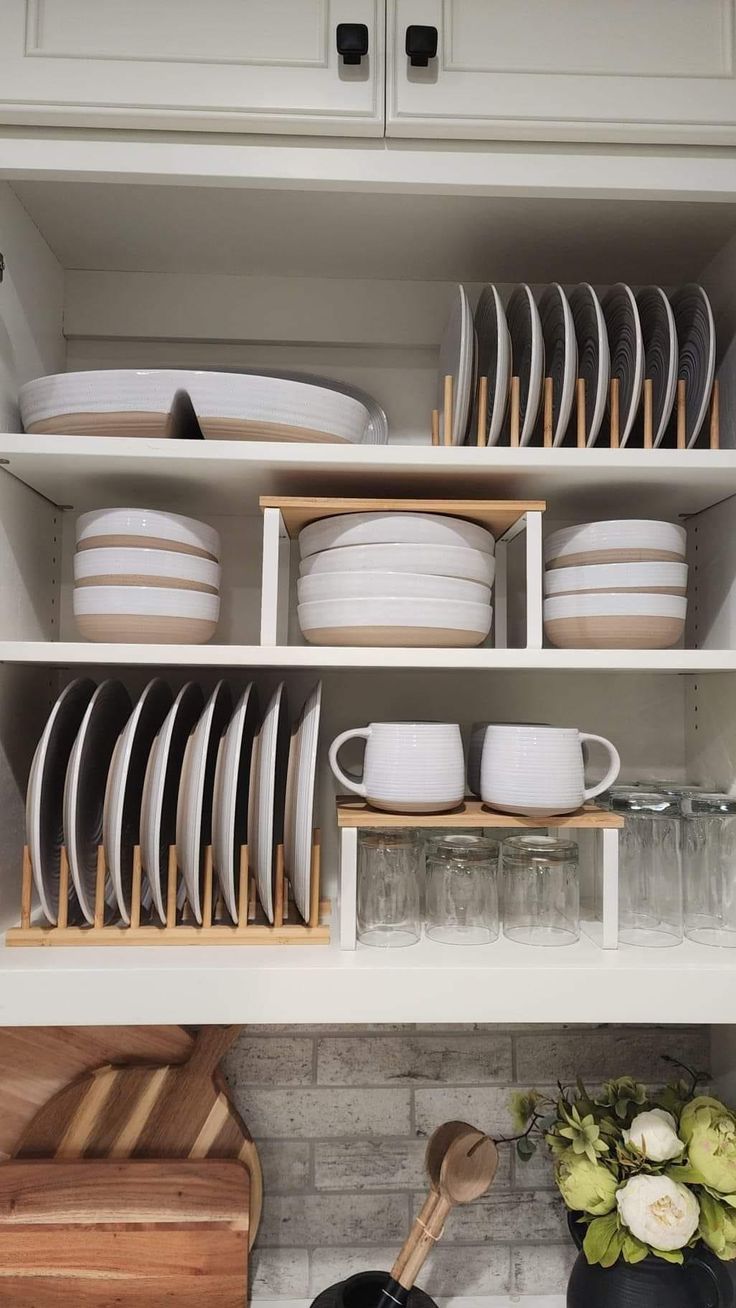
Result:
pixel 421 45
pixel 352 41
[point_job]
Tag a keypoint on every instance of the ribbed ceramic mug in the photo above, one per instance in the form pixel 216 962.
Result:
pixel 539 771
pixel 409 767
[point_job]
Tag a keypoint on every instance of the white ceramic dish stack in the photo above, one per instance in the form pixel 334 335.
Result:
pixel 146 576
pixel 395 578
pixel 220 406
pixel 616 585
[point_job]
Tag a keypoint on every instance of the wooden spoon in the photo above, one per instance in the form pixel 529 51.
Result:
pixel 469 1165
pixel 437 1146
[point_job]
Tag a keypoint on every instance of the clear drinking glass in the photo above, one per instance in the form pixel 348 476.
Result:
pixel 541 890
pixel 390 874
pixel 650 893
pixel 709 868
pixel 462 890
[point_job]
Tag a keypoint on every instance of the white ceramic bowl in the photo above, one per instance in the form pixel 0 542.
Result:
pixel 427 560
pixel 357 585
pixel 145 567
pixel 614 621
pixel 219 400
pixel 145 614
pixel 622 540
pixel 649 578
pixel 395 622
pixel 392 529
pixel 150 527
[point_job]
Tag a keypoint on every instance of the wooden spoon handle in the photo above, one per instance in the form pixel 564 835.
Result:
pixel 421 1242
pixel 422 1220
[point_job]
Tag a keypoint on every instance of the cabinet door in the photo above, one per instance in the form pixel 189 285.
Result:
pixel 568 70
pixel 234 65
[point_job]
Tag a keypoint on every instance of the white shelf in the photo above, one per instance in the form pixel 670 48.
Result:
pixel 83 472
pixel 66 653
pixel 503 982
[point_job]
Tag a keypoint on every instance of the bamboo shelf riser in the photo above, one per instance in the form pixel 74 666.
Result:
pixel 442 432
pixel 180 927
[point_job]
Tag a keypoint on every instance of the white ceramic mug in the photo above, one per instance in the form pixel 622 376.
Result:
pixel 475 749
pixel 539 771
pixel 409 767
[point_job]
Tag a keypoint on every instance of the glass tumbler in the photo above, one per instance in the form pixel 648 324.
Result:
pixel 650 898
pixel 390 874
pixel 709 868
pixel 462 890
pixel 541 890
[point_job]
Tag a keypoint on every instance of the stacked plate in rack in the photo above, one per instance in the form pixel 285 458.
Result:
pixel 190 403
pixel 141 575
pixel 395 578
pixel 616 585
pixel 181 770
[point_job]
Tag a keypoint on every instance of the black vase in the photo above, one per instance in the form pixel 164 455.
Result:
pixel 364 1291
pixel 702 1281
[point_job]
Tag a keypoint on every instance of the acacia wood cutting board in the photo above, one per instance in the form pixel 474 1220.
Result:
pixel 36 1062
pixel 107 1234
pixel 169 1111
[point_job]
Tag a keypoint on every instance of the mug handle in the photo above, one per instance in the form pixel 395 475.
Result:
pixel 363 733
pixel 612 772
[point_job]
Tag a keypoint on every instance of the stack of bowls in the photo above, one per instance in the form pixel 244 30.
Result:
pixel 145 576
pixel 395 578
pixel 616 585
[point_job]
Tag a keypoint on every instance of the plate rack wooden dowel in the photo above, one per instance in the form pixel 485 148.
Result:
pixel 180 927
pixel 578 432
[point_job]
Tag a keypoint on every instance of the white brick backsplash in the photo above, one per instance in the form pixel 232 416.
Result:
pixel 341 1116
pixel 600 1053
pixel 286 1165
pixel 486 1108
pixel 542 1268
pixel 505 1217
pixel 454 1272
pixel 269 1060
pixel 279 1273
pixel 321 1219
pixel 311 1114
pixel 414 1060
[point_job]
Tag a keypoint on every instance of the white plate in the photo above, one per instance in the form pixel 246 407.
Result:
pixel 431 560
pixel 660 355
pixel 385 620
pixel 527 357
pixel 392 529
pixel 266 814
pixel 300 787
pixel 232 788
pixel 121 822
pixel 196 785
pixel 561 356
pixel 84 786
pixel 627 353
pixel 494 361
pixel 161 790
pixel 594 359
pixel 696 335
pixel 45 792
pixel 456 360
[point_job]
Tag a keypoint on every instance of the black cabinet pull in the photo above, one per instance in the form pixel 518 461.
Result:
pixel 352 42
pixel 421 45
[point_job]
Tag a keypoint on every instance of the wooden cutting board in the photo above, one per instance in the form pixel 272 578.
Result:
pixel 36 1062
pixel 167 1111
pixel 107 1234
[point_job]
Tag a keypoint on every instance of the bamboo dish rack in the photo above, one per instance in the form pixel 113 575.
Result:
pixel 180 927
pixel 714 423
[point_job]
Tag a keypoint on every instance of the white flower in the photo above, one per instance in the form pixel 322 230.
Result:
pixel 658 1211
pixel 655 1135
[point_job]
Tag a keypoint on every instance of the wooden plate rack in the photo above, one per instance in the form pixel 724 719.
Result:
pixel 714 423
pixel 180 927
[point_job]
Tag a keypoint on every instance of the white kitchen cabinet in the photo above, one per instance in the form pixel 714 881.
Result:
pixel 223 65
pixel 567 70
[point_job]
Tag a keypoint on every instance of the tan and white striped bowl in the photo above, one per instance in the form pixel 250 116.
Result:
pixel 146 567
